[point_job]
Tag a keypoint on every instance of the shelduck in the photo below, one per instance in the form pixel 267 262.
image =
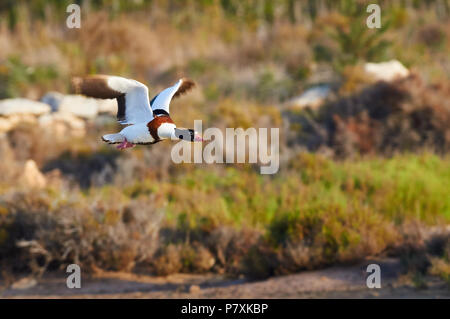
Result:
pixel 148 122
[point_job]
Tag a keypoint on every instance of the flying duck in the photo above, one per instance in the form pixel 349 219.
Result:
pixel 148 122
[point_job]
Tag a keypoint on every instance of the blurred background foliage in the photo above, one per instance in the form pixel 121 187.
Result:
pixel 283 41
pixel 365 174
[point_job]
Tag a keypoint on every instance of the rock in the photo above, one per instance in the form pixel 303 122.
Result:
pixel 24 283
pixel 108 106
pixel 74 122
pixel 10 107
pixel 65 117
pixel 194 289
pixel 22 118
pixel 63 123
pixel 80 106
pixel 312 97
pixel 46 120
pixel 10 122
pixel 104 120
pixel 5 125
pixel 32 176
pixel 386 71
pixel 53 99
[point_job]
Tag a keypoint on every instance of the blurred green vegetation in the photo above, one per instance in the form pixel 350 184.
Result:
pixel 104 209
pixel 400 188
pixel 16 77
pixel 242 11
pixel 282 42
pixel 316 213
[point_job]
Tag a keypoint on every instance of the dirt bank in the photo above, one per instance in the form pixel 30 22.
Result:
pixel 334 282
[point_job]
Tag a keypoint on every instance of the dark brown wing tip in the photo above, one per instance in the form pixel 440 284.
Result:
pixel 185 86
pixel 94 86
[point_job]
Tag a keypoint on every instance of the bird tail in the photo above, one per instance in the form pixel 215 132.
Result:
pixel 113 138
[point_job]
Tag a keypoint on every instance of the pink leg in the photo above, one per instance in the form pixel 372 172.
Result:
pixel 125 144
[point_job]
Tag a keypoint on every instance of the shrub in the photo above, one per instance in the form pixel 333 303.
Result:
pixel 384 118
pixel 68 229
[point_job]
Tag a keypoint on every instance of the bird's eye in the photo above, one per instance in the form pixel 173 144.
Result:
pixel 180 137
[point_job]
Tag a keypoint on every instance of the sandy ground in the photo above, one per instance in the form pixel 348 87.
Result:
pixel 334 282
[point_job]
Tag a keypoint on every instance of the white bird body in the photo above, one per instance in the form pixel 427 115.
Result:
pixel 148 122
pixel 137 133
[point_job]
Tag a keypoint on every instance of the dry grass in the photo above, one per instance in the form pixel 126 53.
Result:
pixel 137 211
pixel 317 213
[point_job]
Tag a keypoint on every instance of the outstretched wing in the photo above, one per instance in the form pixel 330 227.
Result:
pixel 160 103
pixel 131 95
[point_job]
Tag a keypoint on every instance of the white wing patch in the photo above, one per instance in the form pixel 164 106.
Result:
pixel 162 100
pixel 137 105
